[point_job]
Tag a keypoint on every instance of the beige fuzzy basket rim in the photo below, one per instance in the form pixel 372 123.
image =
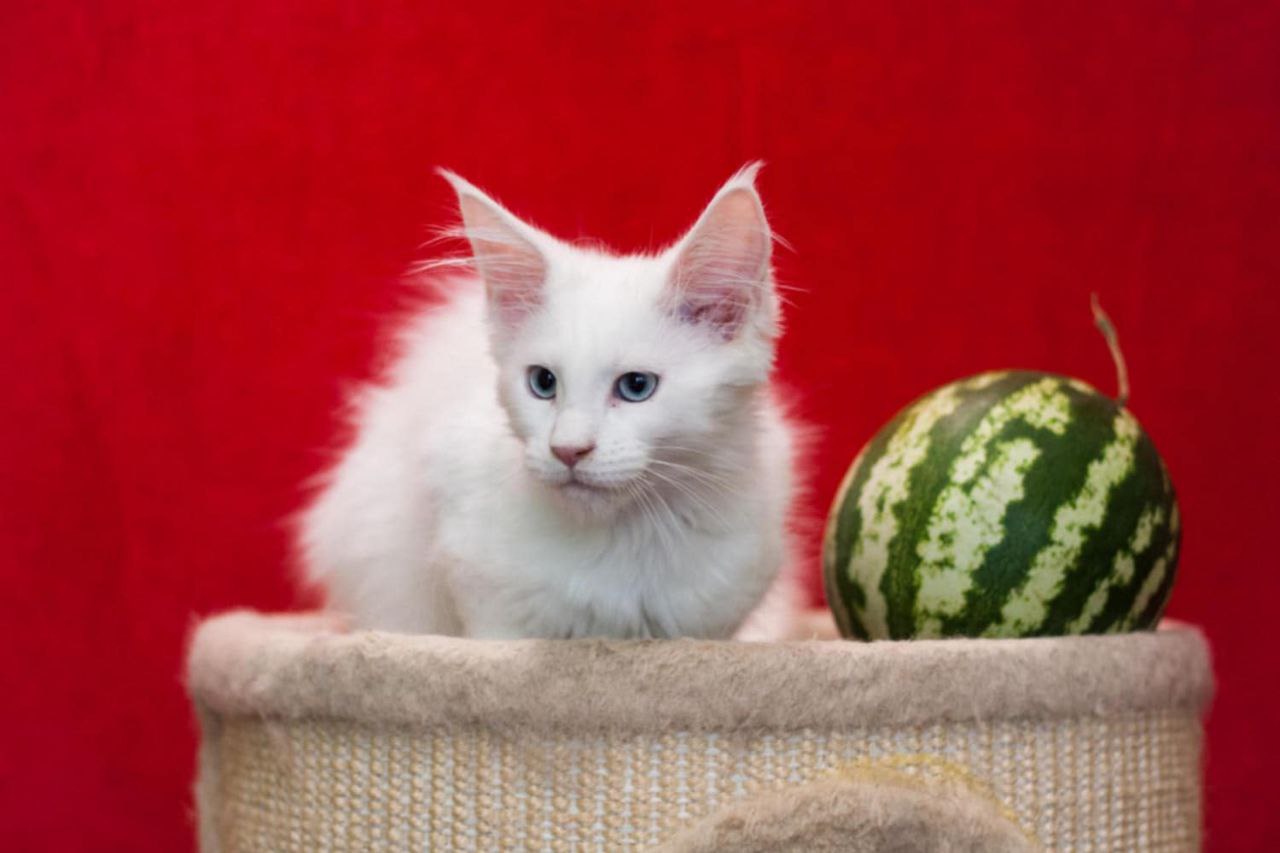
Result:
pixel 294 666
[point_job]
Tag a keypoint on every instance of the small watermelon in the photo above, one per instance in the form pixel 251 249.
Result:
pixel 1009 504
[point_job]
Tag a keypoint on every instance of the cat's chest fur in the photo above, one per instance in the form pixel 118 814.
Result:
pixel 677 574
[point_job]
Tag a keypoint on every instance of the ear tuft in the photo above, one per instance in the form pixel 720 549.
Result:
pixel 746 176
pixel 721 272
pixel 504 250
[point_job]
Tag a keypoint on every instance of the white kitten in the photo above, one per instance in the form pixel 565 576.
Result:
pixel 574 444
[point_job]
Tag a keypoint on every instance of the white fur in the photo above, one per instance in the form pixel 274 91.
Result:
pixel 450 514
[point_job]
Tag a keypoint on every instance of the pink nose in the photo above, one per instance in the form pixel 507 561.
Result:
pixel 570 455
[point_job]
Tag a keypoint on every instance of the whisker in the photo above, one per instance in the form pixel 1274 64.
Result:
pixel 662 503
pixel 692 495
pixel 706 476
pixel 654 500
pixel 650 514
pixel 717 484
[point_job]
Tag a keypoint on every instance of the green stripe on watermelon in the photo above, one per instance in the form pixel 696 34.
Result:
pixel 840 584
pixel 1096 562
pixel 937 528
pixel 1075 522
pixel 1057 475
pixel 1166 571
pixel 1125 605
pixel 1115 593
pixel 842 530
pixel 927 480
pixel 880 486
pixel 1155 562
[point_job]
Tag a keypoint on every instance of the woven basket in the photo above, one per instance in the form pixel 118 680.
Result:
pixel 318 740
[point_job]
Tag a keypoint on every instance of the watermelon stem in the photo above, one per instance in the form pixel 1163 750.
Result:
pixel 1113 343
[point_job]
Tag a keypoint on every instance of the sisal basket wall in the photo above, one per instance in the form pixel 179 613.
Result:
pixel 319 740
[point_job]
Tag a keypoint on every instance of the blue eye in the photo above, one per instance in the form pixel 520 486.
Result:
pixel 542 382
pixel 636 387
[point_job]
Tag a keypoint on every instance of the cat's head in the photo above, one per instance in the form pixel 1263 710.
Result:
pixel 626 375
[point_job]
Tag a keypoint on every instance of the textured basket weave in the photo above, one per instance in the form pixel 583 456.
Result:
pixel 319 740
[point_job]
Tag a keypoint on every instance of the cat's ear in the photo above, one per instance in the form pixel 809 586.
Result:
pixel 721 270
pixel 505 251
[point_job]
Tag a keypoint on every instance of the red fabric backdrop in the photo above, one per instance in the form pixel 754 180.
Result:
pixel 204 210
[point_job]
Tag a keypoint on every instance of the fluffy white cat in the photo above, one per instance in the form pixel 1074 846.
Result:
pixel 574 444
